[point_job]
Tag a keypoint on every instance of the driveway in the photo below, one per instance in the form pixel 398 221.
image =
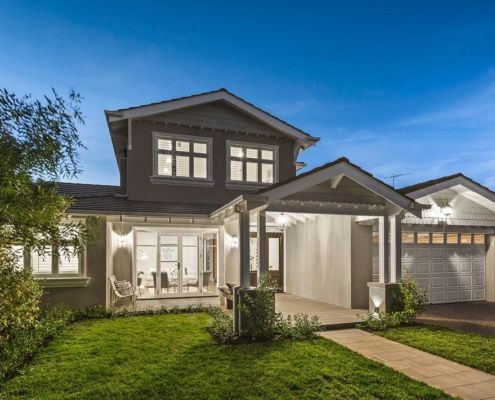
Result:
pixel 474 317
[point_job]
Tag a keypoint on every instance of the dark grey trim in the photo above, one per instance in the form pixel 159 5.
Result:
pixel 179 181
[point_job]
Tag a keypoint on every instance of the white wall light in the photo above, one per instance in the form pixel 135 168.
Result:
pixel 282 221
pixel 234 241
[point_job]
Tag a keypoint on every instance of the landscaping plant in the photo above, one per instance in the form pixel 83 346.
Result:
pixel 411 302
pixel 39 145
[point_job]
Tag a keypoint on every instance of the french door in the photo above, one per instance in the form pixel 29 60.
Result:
pixel 172 264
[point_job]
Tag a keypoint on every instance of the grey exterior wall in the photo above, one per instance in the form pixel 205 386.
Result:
pixel 140 158
pixel 95 292
pixel 329 260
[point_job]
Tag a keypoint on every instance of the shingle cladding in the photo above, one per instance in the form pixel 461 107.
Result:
pixel 107 199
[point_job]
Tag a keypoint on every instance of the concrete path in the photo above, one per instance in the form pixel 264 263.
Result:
pixel 451 377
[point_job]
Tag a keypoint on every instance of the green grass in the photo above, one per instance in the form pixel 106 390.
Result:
pixel 173 357
pixel 469 349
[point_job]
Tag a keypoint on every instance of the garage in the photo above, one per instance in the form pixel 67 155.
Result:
pixel 450 265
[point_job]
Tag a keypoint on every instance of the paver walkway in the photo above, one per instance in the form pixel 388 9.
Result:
pixel 451 377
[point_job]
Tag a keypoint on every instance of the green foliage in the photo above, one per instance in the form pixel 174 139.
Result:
pixel 260 320
pixel 258 313
pixel 298 326
pixel 221 326
pixel 411 301
pixel 19 297
pixel 39 144
pixel 25 342
pixel 174 357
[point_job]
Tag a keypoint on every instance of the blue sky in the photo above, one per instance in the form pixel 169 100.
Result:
pixel 396 86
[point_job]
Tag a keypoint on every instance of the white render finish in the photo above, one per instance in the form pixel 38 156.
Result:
pixel 322 264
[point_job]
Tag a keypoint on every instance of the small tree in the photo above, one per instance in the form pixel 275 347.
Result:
pixel 39 144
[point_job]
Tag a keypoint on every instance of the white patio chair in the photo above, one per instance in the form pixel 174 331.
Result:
pixel 118 293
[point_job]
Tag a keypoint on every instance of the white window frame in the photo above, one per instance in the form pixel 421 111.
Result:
pixel 181 180
pixel 56 279
pixel 244 184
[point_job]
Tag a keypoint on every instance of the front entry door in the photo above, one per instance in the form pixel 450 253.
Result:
pixel 275 258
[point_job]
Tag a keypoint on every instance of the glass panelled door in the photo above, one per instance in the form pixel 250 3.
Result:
pixel 169 267
pixel 175 264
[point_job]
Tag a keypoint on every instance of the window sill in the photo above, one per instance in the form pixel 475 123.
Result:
pixel 63 282
pixel 246 185
pixel 167 180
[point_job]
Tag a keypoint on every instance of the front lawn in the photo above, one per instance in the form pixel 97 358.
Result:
pixel 465 348
pixel 173 357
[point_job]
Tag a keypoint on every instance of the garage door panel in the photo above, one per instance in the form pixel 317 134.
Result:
pixel 479 266
pixel 452 266
pixel 422 268
pixel 407 252
pixel 452 273
pixel 465 295
pixel 465 281
pixel 479 294
pixel 465 266
pixel 438 282
pixel 479 280
pixel 437 267
pixel 452 296
pixel 438 296
pixel 422 252
pixel 437 252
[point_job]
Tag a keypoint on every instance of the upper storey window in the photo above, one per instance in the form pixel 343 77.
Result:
pixel 251 163
pixel 182 157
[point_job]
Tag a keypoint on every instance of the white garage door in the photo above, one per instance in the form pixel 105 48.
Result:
pixel 452 272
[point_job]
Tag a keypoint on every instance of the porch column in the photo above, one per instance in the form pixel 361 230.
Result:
pixel 244 248
pixel 395 248
pixel 261 242
pixel 383 250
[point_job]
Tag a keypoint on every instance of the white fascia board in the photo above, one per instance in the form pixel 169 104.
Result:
pixel 351 172
pixel 457 181
pixel 153 109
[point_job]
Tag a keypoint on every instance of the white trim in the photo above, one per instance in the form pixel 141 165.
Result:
pixel 152 109
pixel 230 184
pixel 358 176
pixel 180 180
pixel 63 281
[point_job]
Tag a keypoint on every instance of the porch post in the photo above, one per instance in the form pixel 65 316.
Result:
pixel 395 248
pixel 261 242
pixel 383 250
pixel 244 248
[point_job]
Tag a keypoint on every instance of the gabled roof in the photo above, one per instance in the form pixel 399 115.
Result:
pixel 460 183
pixel 435 185
pixel 341 166
pixel 150 109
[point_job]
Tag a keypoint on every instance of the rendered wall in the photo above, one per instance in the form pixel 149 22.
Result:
pixel 95 292
pixel 231 253
pixel 329 260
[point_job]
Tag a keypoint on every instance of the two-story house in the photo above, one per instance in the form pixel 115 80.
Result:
pixel 209 194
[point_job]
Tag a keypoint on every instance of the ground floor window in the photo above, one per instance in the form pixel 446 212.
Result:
pixel 174 263
pixel 47 264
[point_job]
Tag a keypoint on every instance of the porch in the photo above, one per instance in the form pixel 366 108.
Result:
pixel 330 316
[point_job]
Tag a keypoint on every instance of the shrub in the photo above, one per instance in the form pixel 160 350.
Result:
pixel 298 326
pixel 258 311
pixel 96 311
pixel 261 321
pixel 411 301
pixel 24 343
pixel 221 326
pixel 20 297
